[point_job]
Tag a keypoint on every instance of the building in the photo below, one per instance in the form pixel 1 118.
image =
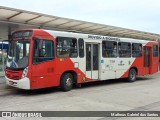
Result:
pixel 14 19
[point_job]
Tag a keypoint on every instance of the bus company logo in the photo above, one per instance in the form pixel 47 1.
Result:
pixel 6 114
pixel 121 63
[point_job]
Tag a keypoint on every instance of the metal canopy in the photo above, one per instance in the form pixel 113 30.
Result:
pixel 21 17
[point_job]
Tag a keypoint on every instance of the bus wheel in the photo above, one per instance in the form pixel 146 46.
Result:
pixel 66 82
pixel 132 75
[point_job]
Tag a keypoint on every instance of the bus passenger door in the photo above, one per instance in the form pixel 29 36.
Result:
pixel 92 61
pixel 147 59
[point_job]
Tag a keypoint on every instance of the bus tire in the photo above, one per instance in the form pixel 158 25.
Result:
pixel 66 82
pixel 132 75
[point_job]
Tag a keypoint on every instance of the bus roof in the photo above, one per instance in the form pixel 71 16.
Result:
pixel 95 37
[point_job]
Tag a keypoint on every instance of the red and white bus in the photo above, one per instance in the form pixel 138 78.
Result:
pixel 43 58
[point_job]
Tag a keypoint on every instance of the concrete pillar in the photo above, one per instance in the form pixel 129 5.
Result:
pixel 9 32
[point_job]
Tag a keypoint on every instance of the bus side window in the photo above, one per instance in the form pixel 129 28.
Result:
pixel 109 49
pixel 136 50
pixel 43 50
pixel 81 47
pixel 155 50
pixel 66 47
pixel 124 49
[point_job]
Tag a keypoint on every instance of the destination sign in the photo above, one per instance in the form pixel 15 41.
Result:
pixel 21 34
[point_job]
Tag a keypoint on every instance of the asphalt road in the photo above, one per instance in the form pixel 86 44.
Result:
pixel 112 95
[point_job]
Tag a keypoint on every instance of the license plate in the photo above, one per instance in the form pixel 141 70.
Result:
pixel 11 82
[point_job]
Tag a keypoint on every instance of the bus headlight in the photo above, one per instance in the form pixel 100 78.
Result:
pixel 25 71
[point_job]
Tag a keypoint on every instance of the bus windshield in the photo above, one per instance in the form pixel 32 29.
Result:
pixel 18 53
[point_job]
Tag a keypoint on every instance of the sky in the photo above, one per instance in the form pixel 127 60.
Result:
pixel 141 15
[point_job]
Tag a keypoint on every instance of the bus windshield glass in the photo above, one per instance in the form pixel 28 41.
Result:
pixel 18 53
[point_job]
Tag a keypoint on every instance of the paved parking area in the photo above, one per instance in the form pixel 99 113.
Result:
pixel 112 95
pixel 2 83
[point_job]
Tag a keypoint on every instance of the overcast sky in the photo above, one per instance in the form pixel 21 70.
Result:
pixel 134 14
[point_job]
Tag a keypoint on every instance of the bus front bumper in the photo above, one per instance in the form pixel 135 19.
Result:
pixel 23 83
